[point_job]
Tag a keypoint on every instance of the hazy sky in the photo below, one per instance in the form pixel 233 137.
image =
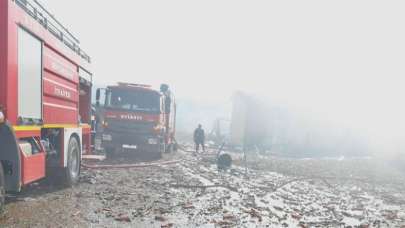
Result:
pixel 340 60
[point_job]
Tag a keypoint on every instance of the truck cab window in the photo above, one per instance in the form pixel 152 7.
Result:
pixel 132 100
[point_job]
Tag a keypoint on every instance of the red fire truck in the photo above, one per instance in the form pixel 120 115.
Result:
pixel 45 97
pixel 137 119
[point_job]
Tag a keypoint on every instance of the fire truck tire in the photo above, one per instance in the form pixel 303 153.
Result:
pixel 162 149
pixel 72 171
pixel 169 148
pixel 2 189
pixel 155 156
pixel 109 152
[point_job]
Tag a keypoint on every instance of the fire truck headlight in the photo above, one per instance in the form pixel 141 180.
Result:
pixel 156 129
pixel 2 119
pixel 107 137
pixel 153 141
pixel 105 124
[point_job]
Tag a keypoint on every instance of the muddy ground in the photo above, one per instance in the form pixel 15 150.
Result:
pixel 274 192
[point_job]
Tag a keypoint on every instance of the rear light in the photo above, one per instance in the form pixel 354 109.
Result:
pixel 2 119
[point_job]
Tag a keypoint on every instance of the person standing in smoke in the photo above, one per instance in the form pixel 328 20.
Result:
pixel 199 138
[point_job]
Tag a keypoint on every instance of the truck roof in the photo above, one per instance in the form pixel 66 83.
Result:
pixel 132 86
pixel 50 23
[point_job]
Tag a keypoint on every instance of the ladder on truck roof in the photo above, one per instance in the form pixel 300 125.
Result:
pixel 50 23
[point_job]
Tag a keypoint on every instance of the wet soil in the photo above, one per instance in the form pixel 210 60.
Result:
pixel 273 192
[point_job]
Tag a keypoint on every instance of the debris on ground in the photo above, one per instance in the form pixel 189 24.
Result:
pixel 275 192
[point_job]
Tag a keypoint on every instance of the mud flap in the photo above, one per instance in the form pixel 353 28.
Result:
pixel 10 158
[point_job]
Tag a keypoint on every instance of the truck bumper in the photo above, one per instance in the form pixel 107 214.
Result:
pixel 131 143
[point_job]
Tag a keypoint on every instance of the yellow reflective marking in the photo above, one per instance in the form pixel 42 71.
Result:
pixel 38 128
pixel 60 126
pixel 27 128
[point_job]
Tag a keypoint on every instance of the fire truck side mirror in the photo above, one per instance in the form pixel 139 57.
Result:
pixel 168 103
pixel 98 97
pixel 164 88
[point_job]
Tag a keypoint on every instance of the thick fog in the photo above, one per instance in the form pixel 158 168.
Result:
pixel 335 64
pixel 301 102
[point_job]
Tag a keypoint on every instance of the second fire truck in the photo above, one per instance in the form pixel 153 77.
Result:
pixel 137 119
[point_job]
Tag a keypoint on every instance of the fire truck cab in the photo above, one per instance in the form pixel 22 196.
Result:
pixel 45 97
pixel 137 119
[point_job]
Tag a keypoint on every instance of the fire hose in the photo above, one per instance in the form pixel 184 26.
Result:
pixel 226 164
pixel 126 166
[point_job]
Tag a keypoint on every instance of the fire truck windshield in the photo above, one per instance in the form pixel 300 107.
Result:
pixel 142 101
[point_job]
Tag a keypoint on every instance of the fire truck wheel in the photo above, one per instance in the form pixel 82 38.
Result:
pixel 162 149
pixel 2 189
pixel 169 148
pixel 109 152
pixel 72 171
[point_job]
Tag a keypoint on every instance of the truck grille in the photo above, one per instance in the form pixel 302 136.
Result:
pixel 130 127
